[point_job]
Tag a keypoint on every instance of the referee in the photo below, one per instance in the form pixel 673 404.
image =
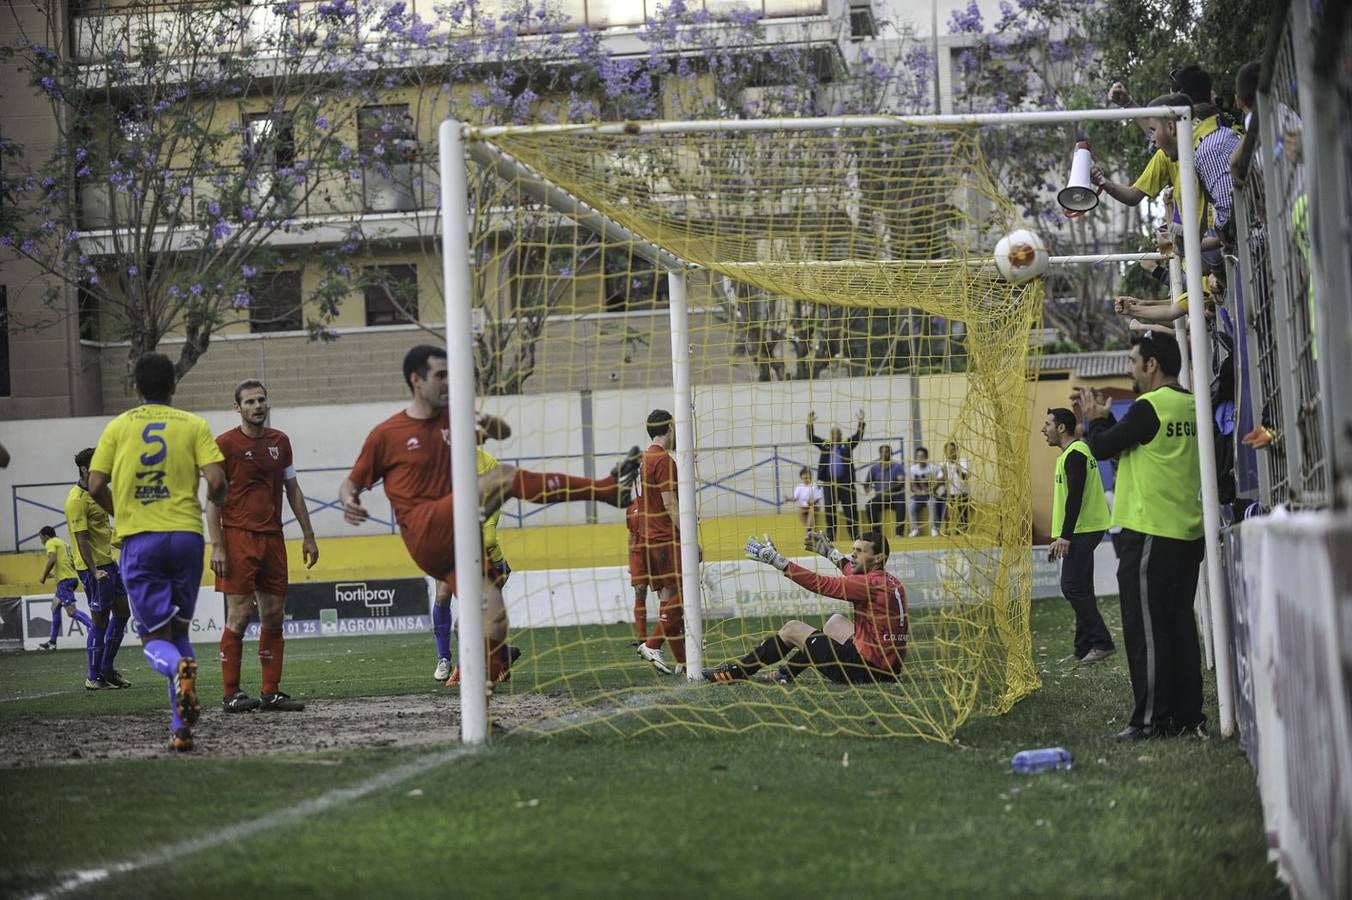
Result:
pixel 1079 520
pixel 1158 505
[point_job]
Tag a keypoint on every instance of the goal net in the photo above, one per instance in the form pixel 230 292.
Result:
pixel 842 273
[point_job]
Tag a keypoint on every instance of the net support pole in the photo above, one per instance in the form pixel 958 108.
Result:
pixel 1201 603
pixel 1206 441
pixel 455 274
pixel 683 409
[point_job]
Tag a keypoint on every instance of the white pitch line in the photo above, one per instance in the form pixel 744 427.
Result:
pixel 166 853
pixel 33 696
pixel 241 830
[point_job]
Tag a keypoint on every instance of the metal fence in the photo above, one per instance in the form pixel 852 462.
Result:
pixel 1293 280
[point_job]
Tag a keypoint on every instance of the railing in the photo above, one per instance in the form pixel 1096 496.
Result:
pixel 97 35
pixel 406 186
pixel 1289 575
pixel 750 479
pixel 1293 285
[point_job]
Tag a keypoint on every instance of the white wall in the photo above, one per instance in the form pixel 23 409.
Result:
pixel 547 435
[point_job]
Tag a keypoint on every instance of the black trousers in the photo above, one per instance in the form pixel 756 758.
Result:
pixel 1157 580
pixel 1077 586
pixel 873 513
pixel 841 495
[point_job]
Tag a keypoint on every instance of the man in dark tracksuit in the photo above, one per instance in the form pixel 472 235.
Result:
pixel 1079 519
pixel 1158 505
pixel 835 474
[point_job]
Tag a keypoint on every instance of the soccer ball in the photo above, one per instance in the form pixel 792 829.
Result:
pixel 1020 255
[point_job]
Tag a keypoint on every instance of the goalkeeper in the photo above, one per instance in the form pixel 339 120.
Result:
pixel 870 649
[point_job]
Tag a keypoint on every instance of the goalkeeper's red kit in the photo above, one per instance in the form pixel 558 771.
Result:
pixel 880 610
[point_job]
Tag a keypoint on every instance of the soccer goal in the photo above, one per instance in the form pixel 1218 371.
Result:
pixel 804 296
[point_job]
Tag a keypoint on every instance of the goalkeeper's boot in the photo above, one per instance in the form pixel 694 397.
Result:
pixel 654 656
pixel 454 679
pixel 180 739
pixel 443 670
pixel 626 470
pixel 726 673
pixel 185 692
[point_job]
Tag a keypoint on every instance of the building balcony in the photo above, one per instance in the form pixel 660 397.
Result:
pixel 402 199
pixel 99 29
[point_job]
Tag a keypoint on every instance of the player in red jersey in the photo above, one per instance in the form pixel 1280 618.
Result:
pixel 638 567
pixel 409 452
pixel 248 552
pixel 659 541
pixel 868 650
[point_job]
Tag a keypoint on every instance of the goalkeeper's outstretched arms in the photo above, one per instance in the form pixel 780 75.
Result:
pixel 851 586
pixel 822 545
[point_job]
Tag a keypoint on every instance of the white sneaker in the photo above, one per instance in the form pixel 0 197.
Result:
pixel 443 670
pixel 915 532
pixel 934 532
pixel 655 657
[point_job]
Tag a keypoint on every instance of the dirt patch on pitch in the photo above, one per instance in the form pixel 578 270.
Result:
pixel 362 723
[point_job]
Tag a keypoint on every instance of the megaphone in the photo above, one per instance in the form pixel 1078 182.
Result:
pixel 1079 195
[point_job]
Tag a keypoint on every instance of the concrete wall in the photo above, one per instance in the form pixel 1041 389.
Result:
pixel 750 438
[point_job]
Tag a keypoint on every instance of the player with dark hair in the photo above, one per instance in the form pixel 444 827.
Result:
pixel 659 542
pixel 1157 503
pixel 868 650
pixel 638 564
pixel 62 565
pixel 408 451
pixel 145 469
pixel 248 551
pixel 1079 519
pixel 96 566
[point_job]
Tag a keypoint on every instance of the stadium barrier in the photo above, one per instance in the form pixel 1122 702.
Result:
pixel 1293 604
pixel 319 609
pixel 536 599
pixel 1290 576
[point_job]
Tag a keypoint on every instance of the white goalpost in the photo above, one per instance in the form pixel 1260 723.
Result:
pixel 455 137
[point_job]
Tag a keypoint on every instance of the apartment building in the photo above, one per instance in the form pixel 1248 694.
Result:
pixel 62 351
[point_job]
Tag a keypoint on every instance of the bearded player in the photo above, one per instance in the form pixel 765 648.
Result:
pixel 866 651
pixel 248 551
pixel 409 452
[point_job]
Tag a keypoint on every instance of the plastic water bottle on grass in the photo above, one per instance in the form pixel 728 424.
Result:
pixel 1047 759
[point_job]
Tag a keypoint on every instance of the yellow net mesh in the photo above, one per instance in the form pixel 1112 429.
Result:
pixel 831 272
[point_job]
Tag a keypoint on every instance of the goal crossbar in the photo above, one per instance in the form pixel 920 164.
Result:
pixel 826 123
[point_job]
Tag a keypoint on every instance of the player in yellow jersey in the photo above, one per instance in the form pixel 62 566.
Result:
pixel 61 565
pixel 145 470
pixel 91 533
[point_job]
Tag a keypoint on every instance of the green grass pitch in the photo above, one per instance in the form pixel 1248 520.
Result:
pixel 666 813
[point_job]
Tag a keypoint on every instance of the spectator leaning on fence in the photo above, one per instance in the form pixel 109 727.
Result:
pixel 1158 505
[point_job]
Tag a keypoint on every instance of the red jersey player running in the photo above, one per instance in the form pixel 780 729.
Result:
pixel 248 552
pixel 866 651
pixel 409 452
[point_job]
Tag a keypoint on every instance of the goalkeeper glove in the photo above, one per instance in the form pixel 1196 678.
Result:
pixel 764 550
pixel 821 545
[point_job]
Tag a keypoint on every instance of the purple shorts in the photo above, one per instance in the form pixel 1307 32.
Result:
pixel 102 595
pixel 163 571
pixel 65 591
